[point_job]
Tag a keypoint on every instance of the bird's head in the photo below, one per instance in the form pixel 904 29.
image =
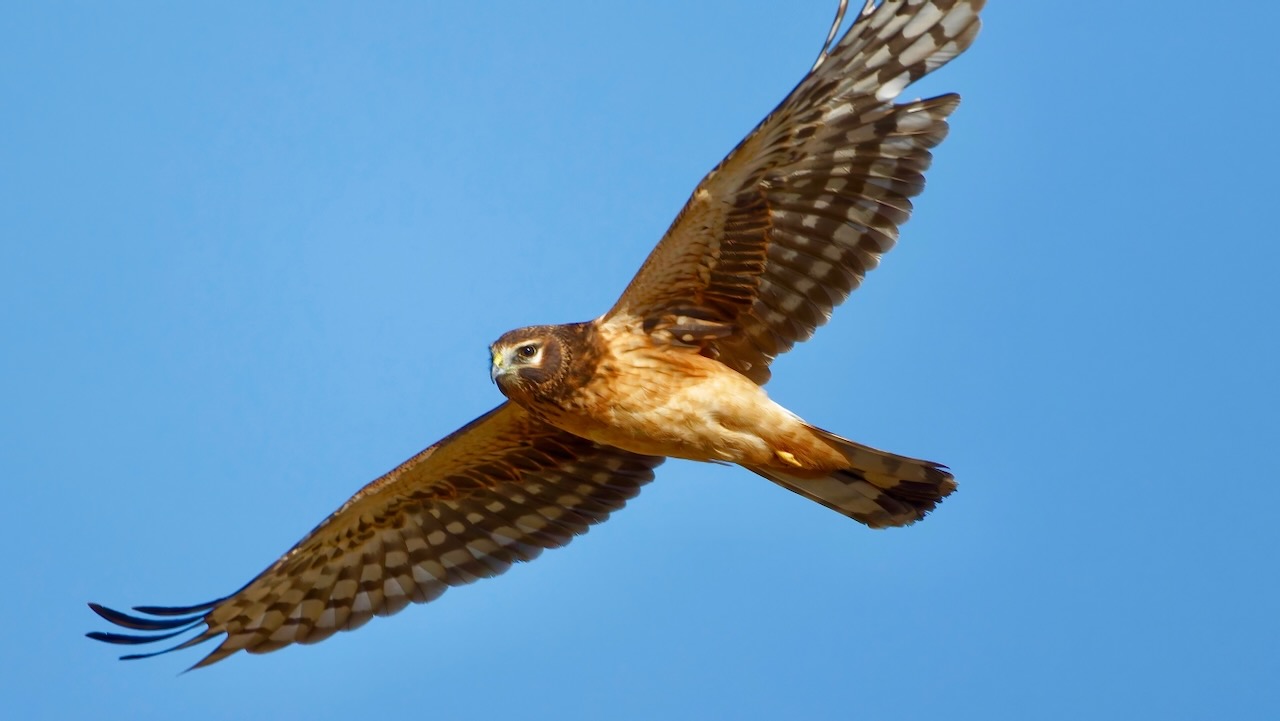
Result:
pixel 528 363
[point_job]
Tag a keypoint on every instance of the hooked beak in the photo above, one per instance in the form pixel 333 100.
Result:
pixel 496 368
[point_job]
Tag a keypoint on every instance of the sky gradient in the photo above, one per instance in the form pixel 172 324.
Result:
pixel 254 256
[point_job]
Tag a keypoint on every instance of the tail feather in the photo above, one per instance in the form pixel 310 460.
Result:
pixel 878 489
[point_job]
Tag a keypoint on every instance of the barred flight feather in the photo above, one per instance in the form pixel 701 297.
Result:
pixel 411 534
pixel 825 180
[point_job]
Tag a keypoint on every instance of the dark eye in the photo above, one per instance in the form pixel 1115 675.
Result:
pixel 528 351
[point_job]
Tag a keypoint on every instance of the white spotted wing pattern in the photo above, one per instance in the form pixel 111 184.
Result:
pixel 790 222
pixel 497 491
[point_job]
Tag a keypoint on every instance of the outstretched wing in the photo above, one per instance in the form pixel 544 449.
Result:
pixel 497 491
pixel 788 224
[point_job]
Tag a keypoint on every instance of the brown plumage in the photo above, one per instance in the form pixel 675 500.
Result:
pixel 769 243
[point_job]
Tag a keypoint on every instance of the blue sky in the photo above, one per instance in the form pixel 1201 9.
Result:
pixel 254 256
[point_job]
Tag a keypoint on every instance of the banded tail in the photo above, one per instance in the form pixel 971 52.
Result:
pixel 878 489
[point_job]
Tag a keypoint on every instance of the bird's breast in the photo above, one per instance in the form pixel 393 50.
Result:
pixel 671 401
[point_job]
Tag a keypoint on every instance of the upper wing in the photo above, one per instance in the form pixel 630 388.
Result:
pixel 787 225
pixel 496 491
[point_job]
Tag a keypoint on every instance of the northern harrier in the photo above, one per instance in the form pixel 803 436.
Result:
pixel 771 240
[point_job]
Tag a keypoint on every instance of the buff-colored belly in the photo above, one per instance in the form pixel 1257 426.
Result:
pixel 687 406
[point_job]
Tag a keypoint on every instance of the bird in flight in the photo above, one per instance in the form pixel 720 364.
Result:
pixel 772 239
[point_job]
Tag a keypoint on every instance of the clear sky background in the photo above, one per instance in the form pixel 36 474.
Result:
pixel 252 258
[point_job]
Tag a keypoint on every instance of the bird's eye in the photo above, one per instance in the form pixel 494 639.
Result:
pixel 528 351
